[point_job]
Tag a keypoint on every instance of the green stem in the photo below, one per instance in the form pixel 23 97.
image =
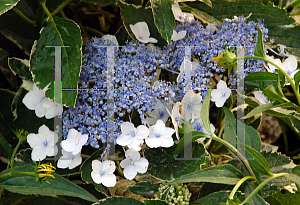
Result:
pixel 237 186
pixel 13 155
pixel 12 173
pixel 20 13
pixel 58 9
pixel 286 147
pixel 294 152
pixel 280 3
pixel 119 170
pixel 43 4
pixel 234 150
pixel 281 70
pixel 275 176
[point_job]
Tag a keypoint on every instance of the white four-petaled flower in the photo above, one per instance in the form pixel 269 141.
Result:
pixel 103 173
pixel 36 100
pixel 160 135
pixel 221 94
pixel 74 142
pixel 261 98
pixel 131 136
pixel 43 143
pixel 160 112
pixel 142 33
pixel 199 126
pixel 69 160
pixel 191 106
pixel 111 38
pixel 133 164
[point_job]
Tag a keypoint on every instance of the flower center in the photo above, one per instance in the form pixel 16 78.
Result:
pixel 190 105
pixel 132 134
pixel 223 95
pixel 45 143
pixel 77 143
pixel 102 172
pixel 157 135
pixel 131 163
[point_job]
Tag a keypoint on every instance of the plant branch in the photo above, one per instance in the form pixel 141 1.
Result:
pixel 12 163
pixel 20 13
pixel 58 9
pixel 237 186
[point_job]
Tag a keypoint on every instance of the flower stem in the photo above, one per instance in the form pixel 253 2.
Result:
pixel 275 176
pixel 12 163
pixel 20 13
pixel 237 186
pixel 60 7
pixel 280 69
pixel 23 173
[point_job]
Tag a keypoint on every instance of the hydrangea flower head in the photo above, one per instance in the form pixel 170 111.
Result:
pixel 160 135
pixel 74 142
pixel 221 94
pixel 43 143
pixel 131 136
pixel 133 164
pixel 103 173
pixel 142 33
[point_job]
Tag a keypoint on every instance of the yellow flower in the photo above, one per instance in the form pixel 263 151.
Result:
pixel 218 58
pixel 44 172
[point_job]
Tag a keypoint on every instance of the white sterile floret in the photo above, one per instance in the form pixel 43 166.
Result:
pixel 178 36
pixel 43 143
pixel 133 164
pixel 36 100
pixel 142 33
pixel 111 38
pixel 181 16
pixel 199 126
pixel 176 117
pixel 221 94
pixel 160 112
pixel 103 173
pixel 261 98
pixel 74 142
pixel 160 135
pixel 271 68
pixel 191 105
pixel 131 136
pixel 68 160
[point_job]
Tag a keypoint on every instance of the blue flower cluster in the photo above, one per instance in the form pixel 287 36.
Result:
pixel 129 83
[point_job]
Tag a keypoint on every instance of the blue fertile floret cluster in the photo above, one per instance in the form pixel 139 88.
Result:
pixel 135 66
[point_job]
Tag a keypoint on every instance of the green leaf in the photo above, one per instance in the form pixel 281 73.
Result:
pixel 101 2
pixel 265 107
pixel 86 170
pixel 7 5
pixel 201 15
pixel 63 32
pixel 262 79
pixel 48 200
pixel 26 184
pixel 26 119
pixel 207 2
pixel 132 14
pixel 217 198
pixel 20 67
pixel 205 111
pixel 115 200
pixel 283 199
pixel 164 166
pixel 296 171
pixel 163 18
pixel 165 193
pixel 259 163
pixel 186 140
pixel 297 80
pixel 209 188
pixel 3 53
pixel 5 145
pixel 154 202
pixel 222 174
pixel 143 188
pixel 251 136
pixel 259 48
pixel 257 199
pixel 294 124
pixel 273 94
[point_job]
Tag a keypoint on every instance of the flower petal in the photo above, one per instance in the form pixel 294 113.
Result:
pixel 141 166
pixel 97 178
pixel 290 64
pixel 31 100
pixel 153 142
pixel 167 132
pixel 47 103
pixel 124 139
pixel 50 150
pixel 136 144
pixel 108 166
pixel 142 132
pixel 38 153
pixel 215 95
pixel 75 161
pixel 97 166
pixel 167 142
pixel 221 84
pixel 63 162
pixel 151 40
pixel 125 162
pixel 40 110
pixel 109 180
pixel 130 172
pixel 132 154
pixel 34 140
pixel 66 145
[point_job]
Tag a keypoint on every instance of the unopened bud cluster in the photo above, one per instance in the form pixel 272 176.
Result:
pixel 178 194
